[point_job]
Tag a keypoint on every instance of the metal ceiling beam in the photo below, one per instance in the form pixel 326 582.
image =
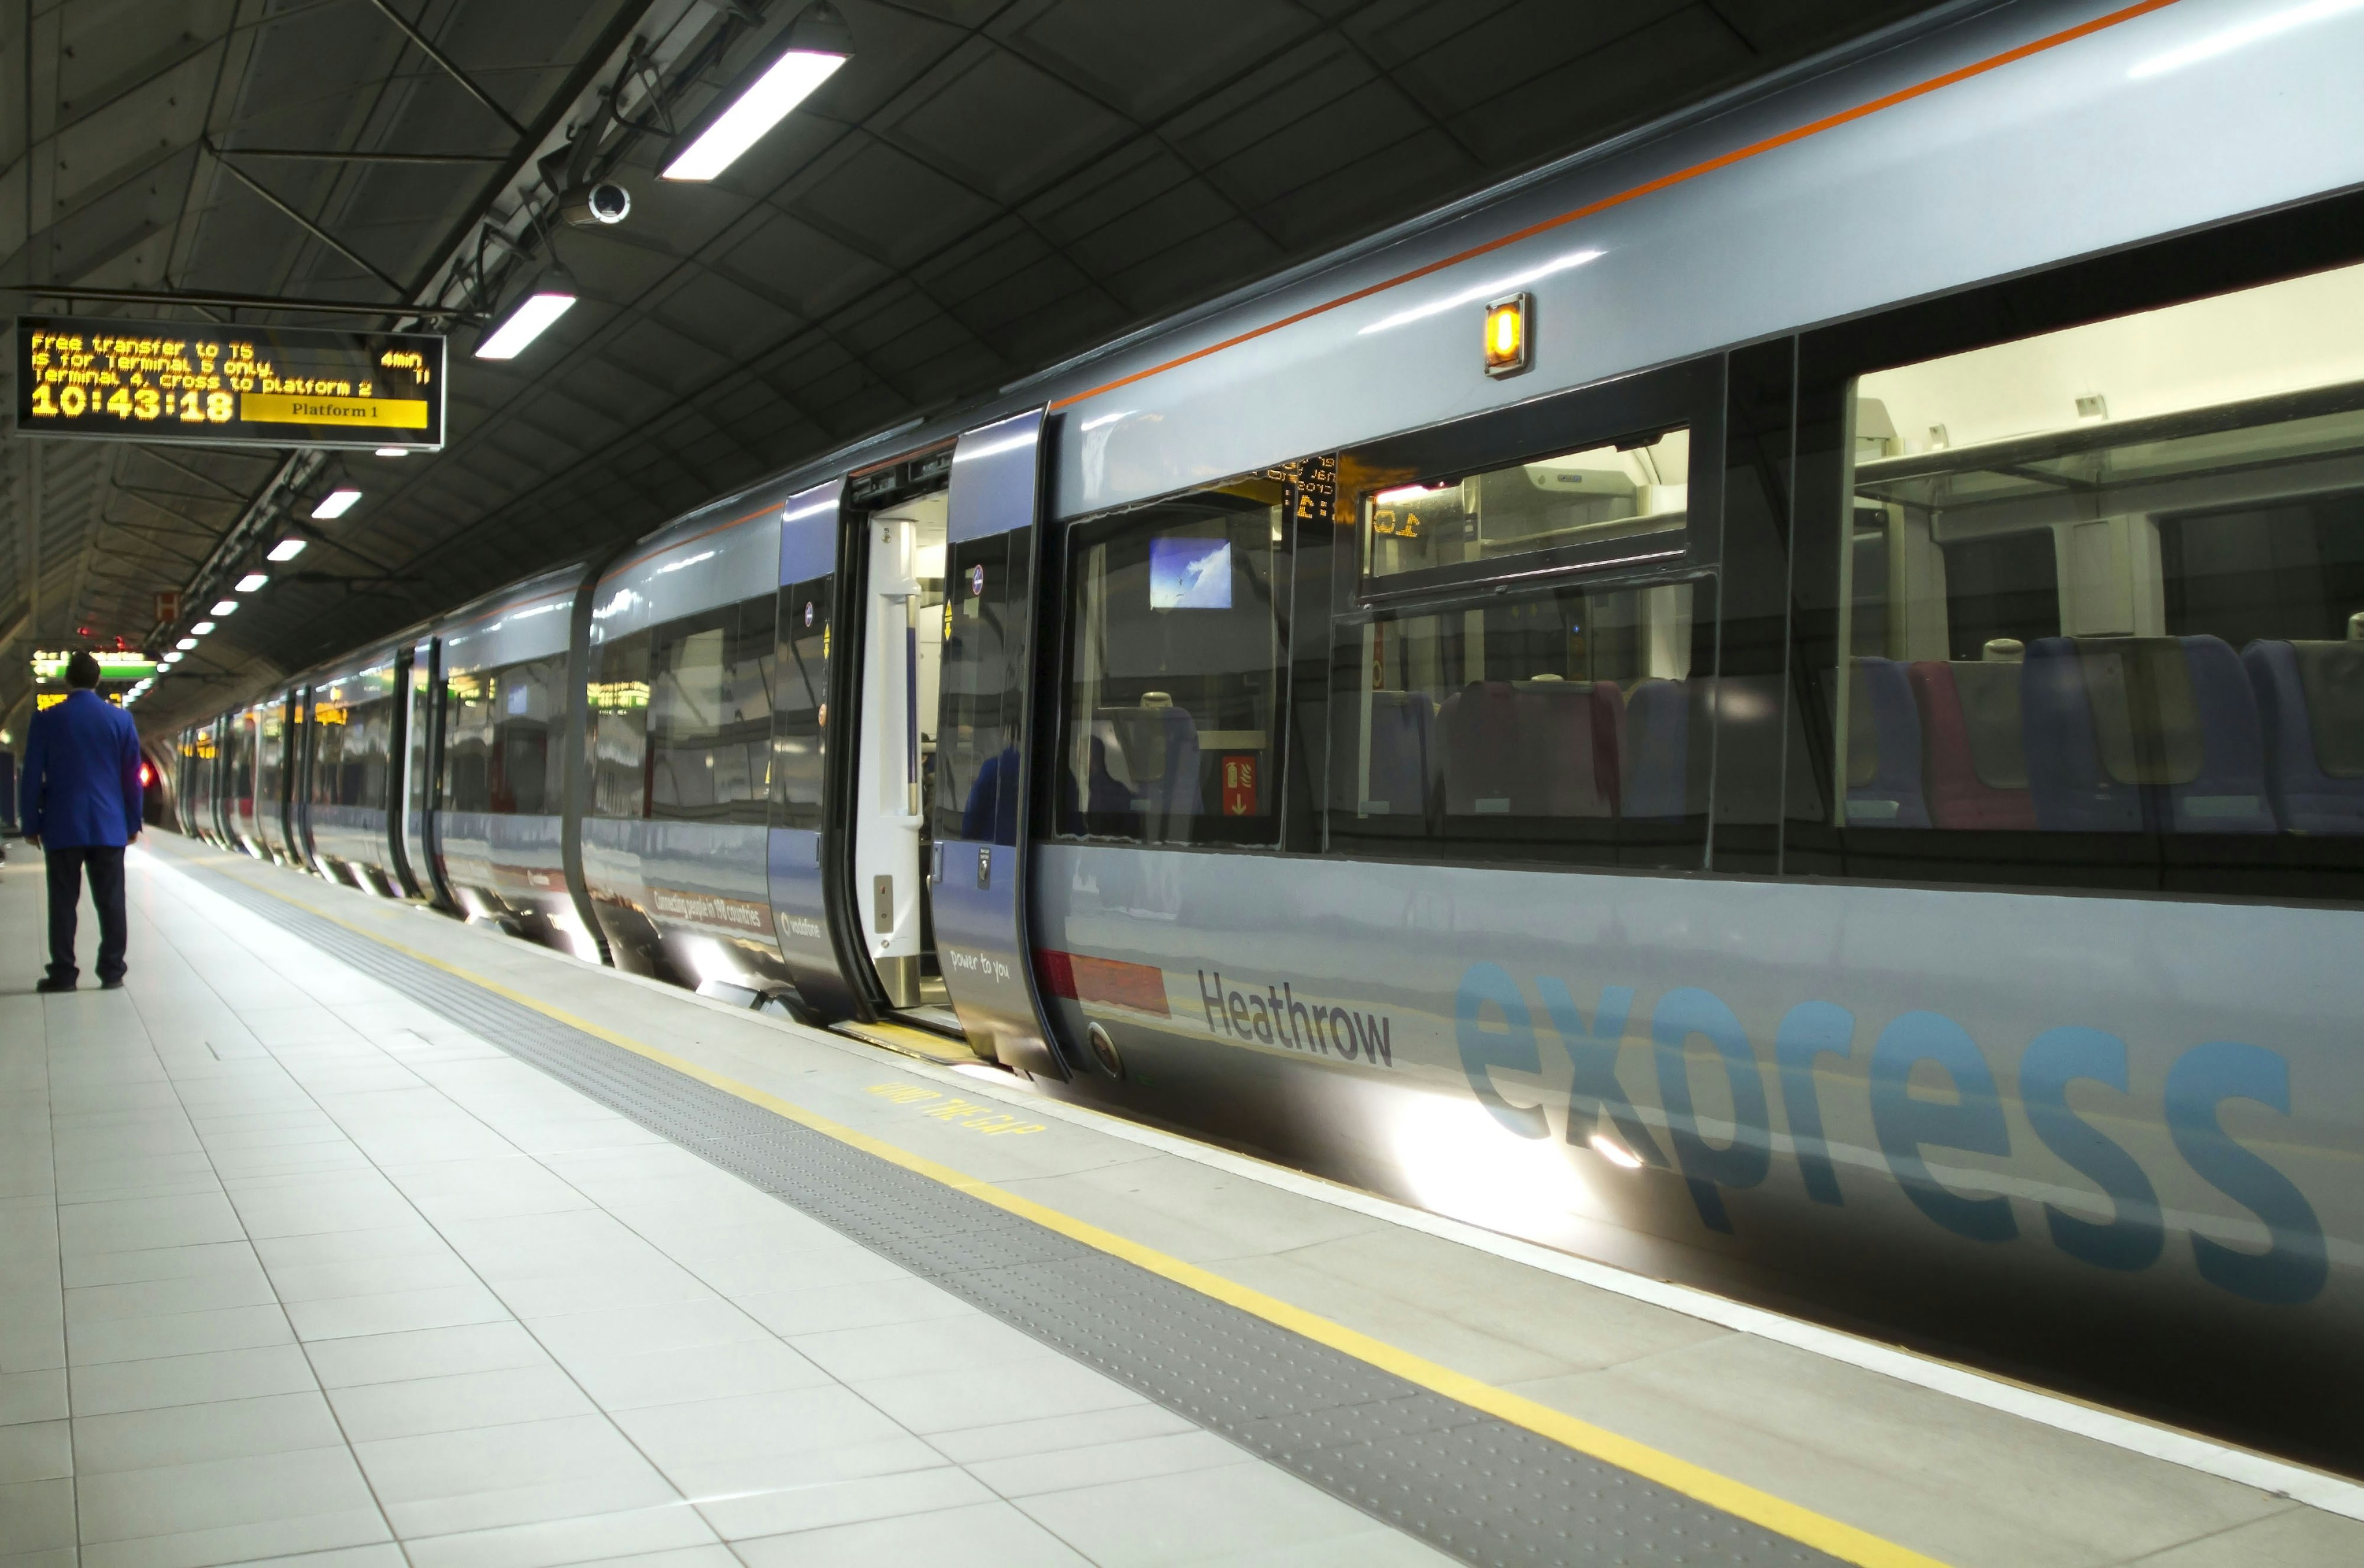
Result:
pixel 72 292
pixel 155 454
pixel 306 155
pixel 440 58
pixel 314 230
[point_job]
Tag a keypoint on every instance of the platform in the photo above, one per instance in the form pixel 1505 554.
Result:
pixel 351 1235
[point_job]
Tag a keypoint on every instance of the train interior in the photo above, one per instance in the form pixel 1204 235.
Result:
pixel 901 670
pixel 1534 713
pixel 2111 579
pixel 1175 662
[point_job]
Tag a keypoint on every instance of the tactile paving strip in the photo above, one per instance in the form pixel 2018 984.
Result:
pixel 1466 1483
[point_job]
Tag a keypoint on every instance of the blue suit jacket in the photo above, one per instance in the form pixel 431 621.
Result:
pixel 82 774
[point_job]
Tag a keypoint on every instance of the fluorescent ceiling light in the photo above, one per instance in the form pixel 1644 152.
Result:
pixel 224 607
pixel 393 451
pixel 251 581
pixel 173 658
pixel 2240 37
pixel 552 296
pixel 185 644
pixel 336 503
pixel 814 45
pixel 1412 493
pixel 287 550
pixel 201 628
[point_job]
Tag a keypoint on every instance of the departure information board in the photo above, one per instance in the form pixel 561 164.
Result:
pixel 276 386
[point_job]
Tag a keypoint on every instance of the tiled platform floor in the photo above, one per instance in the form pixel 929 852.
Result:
pixel 291 1268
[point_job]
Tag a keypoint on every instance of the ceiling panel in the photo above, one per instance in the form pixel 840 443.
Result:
pixel 989 185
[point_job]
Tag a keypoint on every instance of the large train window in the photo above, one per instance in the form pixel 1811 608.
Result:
pixel 1568 723
pixel 618 695
pixel 351 722
pixel 498 730
pixel 2102 602
pixel 975 763
pixel 709 714
pixel 1174 662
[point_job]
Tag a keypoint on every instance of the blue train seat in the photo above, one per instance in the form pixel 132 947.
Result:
pixel 1401 747
pixel 1658 750
pixel 1883 748
pixel 2229 793
pixel 2311 705
pixel 1145 761
pixel 2124 733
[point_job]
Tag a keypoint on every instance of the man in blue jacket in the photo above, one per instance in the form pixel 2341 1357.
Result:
pixel 79 804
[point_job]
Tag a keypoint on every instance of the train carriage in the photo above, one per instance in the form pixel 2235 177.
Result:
pixel 1714 708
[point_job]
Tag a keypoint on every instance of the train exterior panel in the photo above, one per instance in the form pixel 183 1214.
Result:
pixel 1843 782
pixel 499 845
pixel 681 663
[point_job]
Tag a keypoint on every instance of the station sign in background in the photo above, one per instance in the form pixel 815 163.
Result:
pixel 116 664
pixel 276 386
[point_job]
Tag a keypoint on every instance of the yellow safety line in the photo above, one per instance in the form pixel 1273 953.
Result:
pixel 1778 1515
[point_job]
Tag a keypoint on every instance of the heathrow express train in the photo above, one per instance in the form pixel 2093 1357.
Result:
pixel 1780 704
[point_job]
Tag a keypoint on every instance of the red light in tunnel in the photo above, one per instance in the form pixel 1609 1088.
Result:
pixel 147 776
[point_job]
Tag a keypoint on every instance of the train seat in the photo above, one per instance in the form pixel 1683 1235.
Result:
pixel 1149 761
pixel 1579 729
pixel 2229 793
pixel 1971 730
pixel 1478 743
pixel 1658 750
pixel 2311 703
pixel 1401 748
pixel 1532 749
pixel 2124 733
pixel 1883 748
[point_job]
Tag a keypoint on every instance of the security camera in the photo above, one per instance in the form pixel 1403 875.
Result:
pixel 595 206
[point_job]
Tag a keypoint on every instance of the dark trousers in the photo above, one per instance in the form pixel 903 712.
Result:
pixel 67 864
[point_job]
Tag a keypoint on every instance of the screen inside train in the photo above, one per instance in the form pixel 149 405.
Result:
pixel 1188 574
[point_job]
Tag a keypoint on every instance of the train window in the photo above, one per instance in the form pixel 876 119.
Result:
pixel 1566 723
pixel 619 698
pixel 2104 598
pixel 1174 666
pixel 975 762
pixel 709 714
pixel 499 728
pixel 373 724
pixel 1621 502
pixel 350 725
pixel 801 698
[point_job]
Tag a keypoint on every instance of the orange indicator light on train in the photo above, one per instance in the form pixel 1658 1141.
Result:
pixel 1506 336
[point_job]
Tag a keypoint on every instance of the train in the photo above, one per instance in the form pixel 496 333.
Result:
pixel 1779 704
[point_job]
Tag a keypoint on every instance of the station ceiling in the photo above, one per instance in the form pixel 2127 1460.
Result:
pixel 988 187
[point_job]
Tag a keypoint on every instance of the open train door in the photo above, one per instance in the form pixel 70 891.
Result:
pixel 809 526
pixel 977 874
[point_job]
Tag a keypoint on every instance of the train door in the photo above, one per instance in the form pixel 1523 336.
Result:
pixel 975 878
pixel 421 770
pixel 402 806
pixel 220 777
pixel 897 553
pixel 303 749
pixel 809 526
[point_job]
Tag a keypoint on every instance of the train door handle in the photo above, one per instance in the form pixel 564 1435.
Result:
pixel 985 866
pixel 936 865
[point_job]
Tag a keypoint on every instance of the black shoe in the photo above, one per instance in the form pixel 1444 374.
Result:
pixel 114 985
pixel 47 982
